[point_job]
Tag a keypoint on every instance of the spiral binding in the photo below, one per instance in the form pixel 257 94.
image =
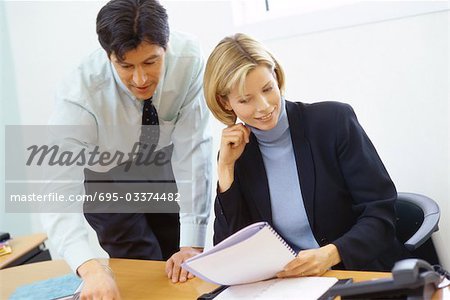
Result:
pixel 278 236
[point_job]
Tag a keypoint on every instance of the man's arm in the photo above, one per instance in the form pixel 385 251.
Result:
pixel 192 169
pixel 192 161
pixel 66 229
pixel 68 234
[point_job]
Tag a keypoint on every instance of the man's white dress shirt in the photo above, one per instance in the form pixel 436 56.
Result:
pixel 94 96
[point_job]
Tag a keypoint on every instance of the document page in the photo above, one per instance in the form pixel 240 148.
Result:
pixel 305 288
pixel 236 238
pixel 248 257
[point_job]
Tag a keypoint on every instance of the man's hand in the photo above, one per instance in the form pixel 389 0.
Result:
pixel 98 282
pixel 173 264
pixel 312 262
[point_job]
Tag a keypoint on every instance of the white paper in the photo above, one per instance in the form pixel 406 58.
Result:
pixel 252 254
pixel 305 288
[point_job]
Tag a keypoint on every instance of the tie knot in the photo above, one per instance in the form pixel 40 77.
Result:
pixel 150 129
pixel 148 103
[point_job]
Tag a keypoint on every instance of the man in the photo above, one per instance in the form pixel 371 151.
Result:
pixel 140 63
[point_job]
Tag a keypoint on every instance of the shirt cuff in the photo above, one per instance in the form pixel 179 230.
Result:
pixel 78 253
pixel 192 235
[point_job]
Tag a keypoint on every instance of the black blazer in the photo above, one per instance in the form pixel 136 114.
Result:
pixel 347 192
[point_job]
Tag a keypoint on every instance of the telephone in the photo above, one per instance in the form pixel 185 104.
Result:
pixel 412 279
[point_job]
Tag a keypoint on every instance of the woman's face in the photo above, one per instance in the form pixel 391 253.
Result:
pixel 259 106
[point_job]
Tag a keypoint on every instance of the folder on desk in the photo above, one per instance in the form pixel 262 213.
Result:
pixel 61 287
pixel 255 253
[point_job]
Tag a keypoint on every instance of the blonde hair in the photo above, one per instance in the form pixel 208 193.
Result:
pixel 228 65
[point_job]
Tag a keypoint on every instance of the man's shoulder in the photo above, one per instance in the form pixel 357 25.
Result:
pixel 90 74
pixel 182 44
pixel 95 65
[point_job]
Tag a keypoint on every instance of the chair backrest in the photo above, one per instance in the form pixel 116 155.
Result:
pixel 417 219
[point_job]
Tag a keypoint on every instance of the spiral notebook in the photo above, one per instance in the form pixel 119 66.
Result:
pixel 256 252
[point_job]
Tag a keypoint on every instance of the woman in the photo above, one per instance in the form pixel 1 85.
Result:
pixel 307 169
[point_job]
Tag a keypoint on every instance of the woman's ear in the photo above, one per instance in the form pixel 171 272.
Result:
pixel 224 102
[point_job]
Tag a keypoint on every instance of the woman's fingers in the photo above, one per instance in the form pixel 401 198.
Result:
pixel 236 134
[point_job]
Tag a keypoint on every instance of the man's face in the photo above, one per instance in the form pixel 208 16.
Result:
pixel 141 69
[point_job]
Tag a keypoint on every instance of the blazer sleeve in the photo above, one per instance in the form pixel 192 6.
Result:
pixel 373 194
pixel 230 210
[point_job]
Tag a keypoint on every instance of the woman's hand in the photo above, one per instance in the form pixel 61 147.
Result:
pixel 234 139
pixel 312 262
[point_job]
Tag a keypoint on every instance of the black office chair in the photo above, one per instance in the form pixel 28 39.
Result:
pixel 417 219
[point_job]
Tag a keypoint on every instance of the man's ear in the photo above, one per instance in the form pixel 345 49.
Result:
pixel 111 56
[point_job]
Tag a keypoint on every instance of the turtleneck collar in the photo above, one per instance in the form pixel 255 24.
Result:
pixel 276 133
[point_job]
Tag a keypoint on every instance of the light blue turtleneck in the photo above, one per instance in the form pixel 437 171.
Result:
pixel 288 211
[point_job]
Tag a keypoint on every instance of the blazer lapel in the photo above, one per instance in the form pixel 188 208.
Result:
pixel 255 179
pixel 303 157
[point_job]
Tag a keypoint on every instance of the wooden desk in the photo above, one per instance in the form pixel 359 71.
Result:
pixel 138 279
pixel 24 248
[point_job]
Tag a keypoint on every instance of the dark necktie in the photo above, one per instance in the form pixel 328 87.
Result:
pixel 149 129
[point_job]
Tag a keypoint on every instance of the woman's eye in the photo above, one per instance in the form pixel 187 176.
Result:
pixel 268 89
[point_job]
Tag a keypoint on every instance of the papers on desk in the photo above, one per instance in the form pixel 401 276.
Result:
pixel 252 254
pixel 305 288
pixel 5 248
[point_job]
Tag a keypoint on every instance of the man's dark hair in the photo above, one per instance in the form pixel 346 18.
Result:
pixel 123 24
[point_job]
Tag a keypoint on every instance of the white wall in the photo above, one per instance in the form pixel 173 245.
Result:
pixel 45 40
pixel 394 73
